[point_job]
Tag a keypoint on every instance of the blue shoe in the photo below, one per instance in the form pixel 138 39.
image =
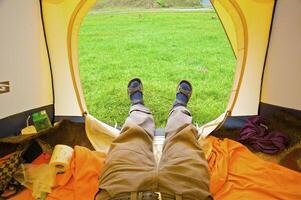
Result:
pixel 135 91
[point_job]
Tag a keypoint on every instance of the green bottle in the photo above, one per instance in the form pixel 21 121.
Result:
pixel 41 120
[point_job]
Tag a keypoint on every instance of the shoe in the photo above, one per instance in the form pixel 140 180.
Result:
pixel 184 91
pixel 135 91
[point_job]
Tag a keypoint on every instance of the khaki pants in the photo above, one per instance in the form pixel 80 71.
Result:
pixel 131 166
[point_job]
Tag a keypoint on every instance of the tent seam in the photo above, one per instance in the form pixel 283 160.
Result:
pixel 266 54
pixel 49 60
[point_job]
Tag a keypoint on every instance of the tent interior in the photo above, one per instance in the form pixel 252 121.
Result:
pixel 39 71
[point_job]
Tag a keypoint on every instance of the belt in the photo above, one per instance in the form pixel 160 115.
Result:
pixel 147 195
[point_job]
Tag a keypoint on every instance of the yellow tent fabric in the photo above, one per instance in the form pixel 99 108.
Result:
pixel 62 21
pixel 281 80
pixel 23 58
pixel 247 23
pixel 100 134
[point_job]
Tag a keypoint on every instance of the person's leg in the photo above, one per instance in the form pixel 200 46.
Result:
pixel 178 117
pixel 183 167
pixel 141 116
pixel 130 162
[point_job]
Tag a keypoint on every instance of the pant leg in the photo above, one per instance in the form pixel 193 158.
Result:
pixel 130 162
pixel 141 116
pixel 183 167
pixel 178 117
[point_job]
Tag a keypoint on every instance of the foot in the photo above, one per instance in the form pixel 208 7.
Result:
pixel 183 94
pixel 135 89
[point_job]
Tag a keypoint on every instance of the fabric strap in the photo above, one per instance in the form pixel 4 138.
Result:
pixel 134 196
pixel 135 89
pixel 187 93
pixel 147 195
pixel 178 197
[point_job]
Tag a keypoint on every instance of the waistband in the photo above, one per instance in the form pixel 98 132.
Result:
pixel 146 195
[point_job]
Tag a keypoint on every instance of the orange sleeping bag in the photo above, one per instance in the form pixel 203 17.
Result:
pixel 80 182
pixel 237 173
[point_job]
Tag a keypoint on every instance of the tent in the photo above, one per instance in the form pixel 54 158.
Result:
pixel 39 61
pixel 39 71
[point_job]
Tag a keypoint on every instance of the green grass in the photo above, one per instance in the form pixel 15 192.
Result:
pixel 101 4
pixel 161 48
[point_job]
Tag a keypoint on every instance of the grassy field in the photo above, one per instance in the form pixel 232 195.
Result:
pixel 161 48
pixel 104 4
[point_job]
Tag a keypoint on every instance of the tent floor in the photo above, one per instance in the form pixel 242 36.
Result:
pixel 66 132
pixel 280 121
